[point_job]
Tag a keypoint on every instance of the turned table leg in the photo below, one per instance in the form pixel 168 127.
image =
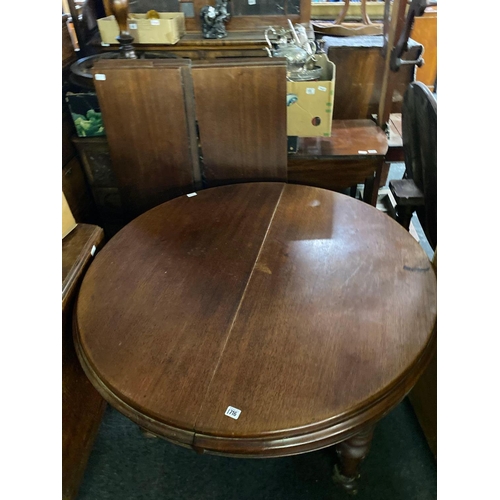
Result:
pixel 350 454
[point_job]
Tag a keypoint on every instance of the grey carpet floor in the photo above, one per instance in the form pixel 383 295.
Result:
pixel 126 465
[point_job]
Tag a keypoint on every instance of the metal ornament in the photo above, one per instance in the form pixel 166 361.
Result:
pixel 213 19
pixel 299 52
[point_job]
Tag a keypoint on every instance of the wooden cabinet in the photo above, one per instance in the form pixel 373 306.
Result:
pixel 425 32
pixel 74 183
pixel 96 161
pixel 360 69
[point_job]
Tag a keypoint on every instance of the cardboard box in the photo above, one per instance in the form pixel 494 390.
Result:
pixel 168 29
pixel 86 114
pixel 68 221
pixel 310 104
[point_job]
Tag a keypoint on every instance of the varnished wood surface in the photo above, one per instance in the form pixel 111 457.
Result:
pixel 77 193
pixel 423 398
pixel 77 248
pixel 360 71
pixel 82 411
pixel 396 136
pixel 68 130
pixel 233 39
pixel 258 19
pixel 395 151
pixel 82 406
pixel 349 138
pixel 249 42
pixel 151 138
pixel 310 311
pixel 352 155
pixel 241 116
pixel 334 174
pixel 251 37
pixel 425 32
pixel 406 192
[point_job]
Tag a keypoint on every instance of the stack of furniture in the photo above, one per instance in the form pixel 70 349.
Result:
pixel 216 112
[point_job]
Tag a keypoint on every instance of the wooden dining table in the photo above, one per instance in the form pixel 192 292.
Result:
pixel 259 320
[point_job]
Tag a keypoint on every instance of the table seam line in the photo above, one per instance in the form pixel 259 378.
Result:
pixel 237 311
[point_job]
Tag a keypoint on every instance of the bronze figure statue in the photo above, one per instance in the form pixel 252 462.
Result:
pixel 213 19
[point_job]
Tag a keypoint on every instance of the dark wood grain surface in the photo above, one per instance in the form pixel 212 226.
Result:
pixel 354 154
pixel 151 136
pixel 334 174
pixel 241 115
pixel 77 252
pixel 311 312
pixel 360 70
pixel 82 406
pixel 395 151
pixel 77 192
pixel 202 255
pixel 350 138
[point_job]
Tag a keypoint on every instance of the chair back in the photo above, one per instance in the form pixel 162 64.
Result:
pixel 419 123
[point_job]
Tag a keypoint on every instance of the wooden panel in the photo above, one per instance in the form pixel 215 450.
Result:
pixel 425 32
pixel 248 22
pixel 331 174
pixel 331 10
pixel 423 398
pixel 146 109
pixel 68 129
pixel 96 160
pixel 348 138
pixel 82 406
pixel 359 70
pixel 110 209
pixel 76 256
pixel 241 112
pixel 395 152
pixel 82 410
pixel 155 252
pixel 77 193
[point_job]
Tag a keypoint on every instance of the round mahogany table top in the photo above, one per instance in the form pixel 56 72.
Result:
pixel 307 312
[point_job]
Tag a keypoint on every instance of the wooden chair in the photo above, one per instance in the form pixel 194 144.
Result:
pixel 241 116
pixel 417 192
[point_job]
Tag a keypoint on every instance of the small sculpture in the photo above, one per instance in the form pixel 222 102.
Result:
pixel 120 9
pixel 213 19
